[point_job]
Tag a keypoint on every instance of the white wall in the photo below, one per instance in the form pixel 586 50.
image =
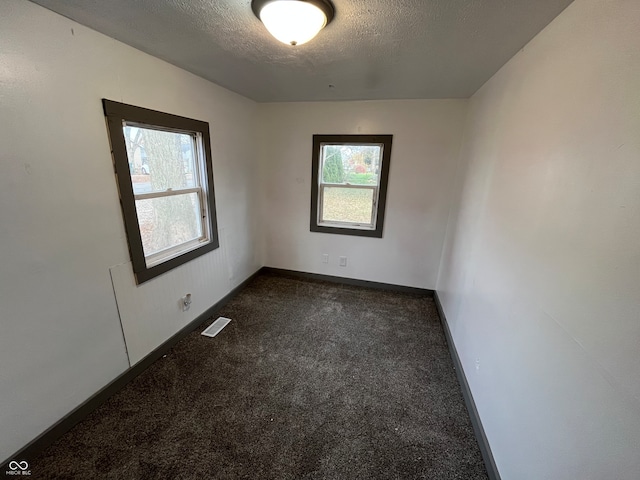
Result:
pixel 61 227
pixel 426 141
pixel 540 277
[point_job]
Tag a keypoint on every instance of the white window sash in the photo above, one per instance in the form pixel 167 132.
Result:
pixel 347 185
pixel 175 250
pixel 357 225
pixel 171 252
pixel 167 193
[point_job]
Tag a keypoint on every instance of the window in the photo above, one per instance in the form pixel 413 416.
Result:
pixel 349 183
pixel 165 178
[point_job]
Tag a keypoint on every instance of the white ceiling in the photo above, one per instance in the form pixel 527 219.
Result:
pixel 373 49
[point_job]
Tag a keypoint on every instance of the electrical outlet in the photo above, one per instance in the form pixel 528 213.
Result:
pixel 325 258
pixel 343 261
pixel 186 302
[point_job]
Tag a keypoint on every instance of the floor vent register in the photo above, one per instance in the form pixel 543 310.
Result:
pixel 216 327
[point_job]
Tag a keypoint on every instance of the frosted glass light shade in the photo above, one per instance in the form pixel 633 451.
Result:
pixel 293 22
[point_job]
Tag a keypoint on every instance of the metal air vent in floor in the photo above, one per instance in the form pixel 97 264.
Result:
pixel 216 327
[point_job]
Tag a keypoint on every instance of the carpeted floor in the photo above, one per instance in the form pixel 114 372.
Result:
pixel 310 380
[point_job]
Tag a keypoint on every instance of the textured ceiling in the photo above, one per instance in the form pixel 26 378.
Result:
pixel 373 49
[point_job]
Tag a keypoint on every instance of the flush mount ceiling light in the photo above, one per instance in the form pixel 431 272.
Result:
pixel 293 22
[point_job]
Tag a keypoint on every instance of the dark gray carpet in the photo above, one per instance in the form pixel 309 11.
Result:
pixel 311 380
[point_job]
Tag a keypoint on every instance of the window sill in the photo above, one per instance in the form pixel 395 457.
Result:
pixel 351 230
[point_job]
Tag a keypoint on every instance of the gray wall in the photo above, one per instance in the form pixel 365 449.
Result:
pixel 540 278
pixel 61 228
pixel 426 142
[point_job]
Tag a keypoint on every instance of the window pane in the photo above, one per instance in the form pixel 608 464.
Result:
pixel 354 205
pixel 353 164
pixel 168 221
pixel 159 160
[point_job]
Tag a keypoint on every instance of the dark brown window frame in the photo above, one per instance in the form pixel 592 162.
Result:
pixel 318 140
pixel 116 114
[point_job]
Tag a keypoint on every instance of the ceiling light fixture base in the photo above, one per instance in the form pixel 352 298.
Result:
pixel 325 5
